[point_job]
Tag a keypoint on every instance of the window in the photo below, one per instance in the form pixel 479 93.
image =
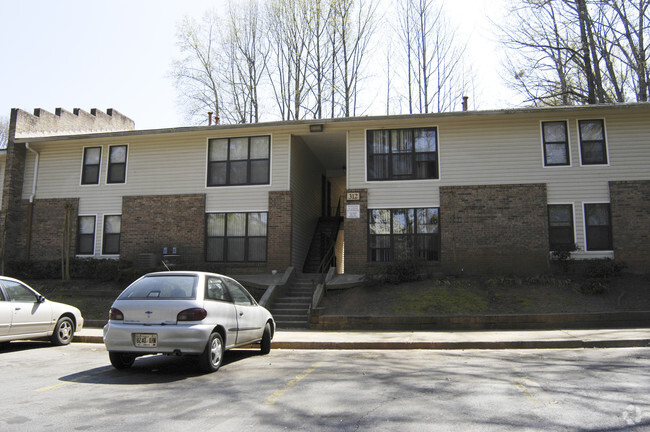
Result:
pixel 91 162
pixel 403 234
pixel 598 227
pixel 238 161
pixel 112 229
pixel 556 143
pixel 117 164
pixel 593 148
pixel 560 227
pixel 236 237
pixel 402 154
pixel 19 293
pixel 238 294
pixel 86 235
pixel 215 290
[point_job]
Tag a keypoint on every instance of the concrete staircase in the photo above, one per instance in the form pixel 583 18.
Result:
pixel 292 309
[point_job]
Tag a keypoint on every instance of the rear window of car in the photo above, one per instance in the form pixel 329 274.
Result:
pixel 162 288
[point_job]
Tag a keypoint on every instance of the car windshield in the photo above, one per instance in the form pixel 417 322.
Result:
pixel 162 287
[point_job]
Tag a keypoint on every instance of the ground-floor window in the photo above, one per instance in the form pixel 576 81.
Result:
pixel 403 234
pixel 86 235
pixel 236 237
pixel 598 227
pixel 111 240
pixel 560 227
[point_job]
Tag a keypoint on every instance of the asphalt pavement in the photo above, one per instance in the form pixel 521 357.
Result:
pixel 442 340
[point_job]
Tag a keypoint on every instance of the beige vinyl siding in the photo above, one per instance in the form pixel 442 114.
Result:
pixel 507 149
pixel 306 180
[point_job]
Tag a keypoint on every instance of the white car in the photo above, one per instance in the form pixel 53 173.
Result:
pixel 25 314
pixel 185 313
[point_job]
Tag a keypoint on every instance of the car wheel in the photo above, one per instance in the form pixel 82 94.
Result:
pixel 63 332
pixel 121 360
pixel 211 358
pixel 265 343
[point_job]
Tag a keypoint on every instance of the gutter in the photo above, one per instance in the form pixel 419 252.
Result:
pixel 30 211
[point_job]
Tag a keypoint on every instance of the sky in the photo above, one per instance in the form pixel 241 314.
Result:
pixel 118 54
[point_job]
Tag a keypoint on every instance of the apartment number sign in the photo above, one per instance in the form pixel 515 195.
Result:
pixel 353 196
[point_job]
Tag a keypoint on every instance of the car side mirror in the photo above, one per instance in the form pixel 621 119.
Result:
pixel 40 299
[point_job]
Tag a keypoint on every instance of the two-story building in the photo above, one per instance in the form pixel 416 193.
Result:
pixel 471 191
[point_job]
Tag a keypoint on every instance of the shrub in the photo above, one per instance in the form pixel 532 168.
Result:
pixel 592 287
pixel 603 268
pixel 402 271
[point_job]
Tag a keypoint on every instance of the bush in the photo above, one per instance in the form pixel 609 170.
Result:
pixel 98 269
pixel 402 271
pixel 603 268
pixel 592 287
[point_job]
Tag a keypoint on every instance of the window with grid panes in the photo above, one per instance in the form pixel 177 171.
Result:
pixel 236 237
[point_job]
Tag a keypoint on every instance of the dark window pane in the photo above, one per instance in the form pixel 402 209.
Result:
pixel 236 249
pixel 257 249
pixel 86 244
pixel 426 165
pixel 111 244
pixel 238 172
pixel 116 173
pixel 378 167
pixel 592 142
pixel 260 172
pixel 379 248
pixel 90 174
pixel 428 248
pixel 217 173
pixel 214 249
pixel 593 153
pixel 402 247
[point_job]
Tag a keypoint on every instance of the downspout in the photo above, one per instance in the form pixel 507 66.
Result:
pixel 30 209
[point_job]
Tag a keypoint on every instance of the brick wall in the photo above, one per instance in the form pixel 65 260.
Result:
pixel 150 223
pixel 279 230
pixel 630 207
pixel 356 234
pixel 48 216
pixel 498 229
pixel 14 222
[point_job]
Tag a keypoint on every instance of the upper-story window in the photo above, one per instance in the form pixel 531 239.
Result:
pixel 91 162
pixel 117 164
pixel 555 139
pixel 593 145
pixel 402 154
pixel 239 161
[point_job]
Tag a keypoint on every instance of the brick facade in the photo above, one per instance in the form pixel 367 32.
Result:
pixel 356 234
pixel 48 216
pixel 151 223
pixel 630 208
pixel 279 230
pixel 498 229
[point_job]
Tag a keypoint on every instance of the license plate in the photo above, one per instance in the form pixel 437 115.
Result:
pixel 146 340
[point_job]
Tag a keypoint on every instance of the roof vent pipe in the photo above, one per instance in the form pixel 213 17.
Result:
pixel 209 118
pixel 465 99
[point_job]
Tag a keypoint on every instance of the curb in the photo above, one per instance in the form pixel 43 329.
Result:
pixel 470 345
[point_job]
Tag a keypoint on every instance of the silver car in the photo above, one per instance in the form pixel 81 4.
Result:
pixel 25 314
pixel 185 313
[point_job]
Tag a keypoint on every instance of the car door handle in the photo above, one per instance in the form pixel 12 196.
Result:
pixel 17 308
pixel 241 313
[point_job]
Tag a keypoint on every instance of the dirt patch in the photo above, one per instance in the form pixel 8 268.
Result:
pixel 491 296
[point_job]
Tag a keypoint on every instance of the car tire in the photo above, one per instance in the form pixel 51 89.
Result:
pixel 63 332
pixel 265 343
pixel 211 358
pixel 121 360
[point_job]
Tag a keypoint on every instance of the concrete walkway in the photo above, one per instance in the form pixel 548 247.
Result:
pixel 364 340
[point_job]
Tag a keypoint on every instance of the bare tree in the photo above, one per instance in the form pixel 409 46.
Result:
pixel 197 72
pixel 247 51
pixel 578 51
pixel 435 72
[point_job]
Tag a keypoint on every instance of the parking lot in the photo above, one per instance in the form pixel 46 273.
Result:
pixel 75 388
